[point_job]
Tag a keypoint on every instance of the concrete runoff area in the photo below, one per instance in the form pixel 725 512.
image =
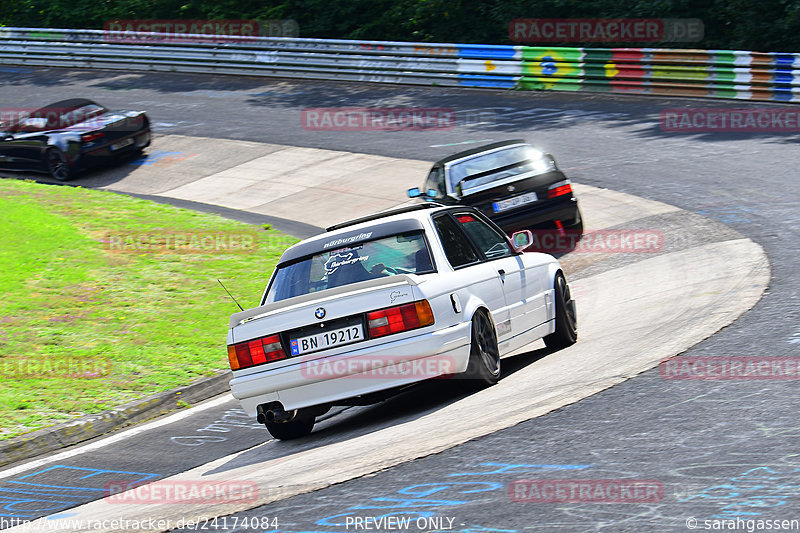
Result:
pixel 307 185
pixel 631 318
pixel 313 186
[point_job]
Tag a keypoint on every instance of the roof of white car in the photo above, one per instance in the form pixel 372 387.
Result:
pixel 385 223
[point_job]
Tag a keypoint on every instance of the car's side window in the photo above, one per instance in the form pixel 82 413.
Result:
pixel 436 181
pixel 456 246
pixel 492 243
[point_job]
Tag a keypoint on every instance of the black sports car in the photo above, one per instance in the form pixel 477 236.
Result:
pixel 513 183
pixel 68 136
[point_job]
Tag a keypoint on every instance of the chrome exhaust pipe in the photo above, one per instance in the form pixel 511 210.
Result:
pixel 274 414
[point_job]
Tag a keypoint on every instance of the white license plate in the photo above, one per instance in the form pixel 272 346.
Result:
pixel 122 144
pixel 511 203
pixel 327 339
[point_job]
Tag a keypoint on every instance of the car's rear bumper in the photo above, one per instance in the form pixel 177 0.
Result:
pixel 357 372
pixel 140 140
pixel 566 210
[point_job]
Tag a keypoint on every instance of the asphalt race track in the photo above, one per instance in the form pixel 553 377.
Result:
pixel 717 449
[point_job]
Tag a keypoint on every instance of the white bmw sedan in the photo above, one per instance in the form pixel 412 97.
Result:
pixel 389 300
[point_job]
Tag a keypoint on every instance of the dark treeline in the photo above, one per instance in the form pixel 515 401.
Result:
pixel 761 25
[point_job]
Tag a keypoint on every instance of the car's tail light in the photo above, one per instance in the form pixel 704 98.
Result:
pixel 255 352
pixel 559 189
pixel 399 318
pixel 92 137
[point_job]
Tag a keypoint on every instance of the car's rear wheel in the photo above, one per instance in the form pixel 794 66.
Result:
pixel 57 165
pixel 483 369
pixel 566 333
pixel 293 429
pixel 576 228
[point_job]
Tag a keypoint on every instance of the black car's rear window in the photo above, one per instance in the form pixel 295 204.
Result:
pixel 52 118
pixel 486 168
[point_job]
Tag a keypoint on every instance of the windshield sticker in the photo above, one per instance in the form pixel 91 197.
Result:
pixel 348 240
pixel 346 249
pixel 337 260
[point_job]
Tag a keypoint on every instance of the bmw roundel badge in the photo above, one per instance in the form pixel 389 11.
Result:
pixel 320 313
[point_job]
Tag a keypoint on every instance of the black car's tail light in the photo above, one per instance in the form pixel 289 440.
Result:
pixel 559 189
pixel 255 352
pixel 399 318
pixel 87 138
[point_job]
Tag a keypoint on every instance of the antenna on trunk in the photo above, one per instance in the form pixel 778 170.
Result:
pixel 229 294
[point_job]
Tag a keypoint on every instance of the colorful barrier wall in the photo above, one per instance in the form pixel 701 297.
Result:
pixel 702 73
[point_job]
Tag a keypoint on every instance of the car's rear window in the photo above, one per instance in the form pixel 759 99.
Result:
pixel 53 118
pixel 405 253
pixel 493 166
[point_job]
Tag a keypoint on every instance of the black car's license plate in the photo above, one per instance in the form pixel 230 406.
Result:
pixel 516 201
pixel 122 144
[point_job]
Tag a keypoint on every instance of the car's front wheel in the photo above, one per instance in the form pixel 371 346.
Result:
pixel 484 356
pixel 57 165
pixel 566 333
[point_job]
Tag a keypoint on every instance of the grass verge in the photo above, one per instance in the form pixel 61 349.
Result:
pixel 107 298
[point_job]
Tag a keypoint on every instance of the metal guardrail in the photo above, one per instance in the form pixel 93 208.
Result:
pixel 705 73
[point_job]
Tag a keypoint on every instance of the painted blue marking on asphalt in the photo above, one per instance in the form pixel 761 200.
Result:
pixel 443 486
pixel 154 157
pixel 39 492
pixel 326 521
pixel 406 506
pixel 25 499
pixel 508 467
pixel 406 503
pixel 94 472
pixel 11 505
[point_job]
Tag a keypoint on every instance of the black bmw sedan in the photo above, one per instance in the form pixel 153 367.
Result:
pixel 513 183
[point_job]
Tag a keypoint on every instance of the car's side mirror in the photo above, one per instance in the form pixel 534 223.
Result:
pixel 414 193
pixel 431 193
pixel 521 240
